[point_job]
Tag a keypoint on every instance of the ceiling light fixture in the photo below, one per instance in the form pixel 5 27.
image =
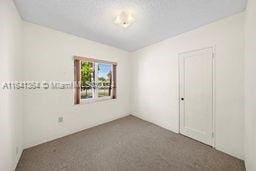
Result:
pixel 124 19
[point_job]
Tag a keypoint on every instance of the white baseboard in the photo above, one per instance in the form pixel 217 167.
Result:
pixel 17 160
pixel 70 132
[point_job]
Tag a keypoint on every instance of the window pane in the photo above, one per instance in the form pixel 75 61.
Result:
pixel 87 74
pixel 104 79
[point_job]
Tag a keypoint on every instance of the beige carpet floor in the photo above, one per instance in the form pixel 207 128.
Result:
pixel 126 144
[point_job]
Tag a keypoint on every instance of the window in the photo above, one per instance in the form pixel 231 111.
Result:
pixel 96 80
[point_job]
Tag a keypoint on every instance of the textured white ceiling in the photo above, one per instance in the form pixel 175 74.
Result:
pixel 155 19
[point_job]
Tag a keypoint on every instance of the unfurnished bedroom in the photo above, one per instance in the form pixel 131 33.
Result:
pixel 127 85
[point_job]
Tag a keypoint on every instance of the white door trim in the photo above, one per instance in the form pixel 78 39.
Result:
pixel 213 90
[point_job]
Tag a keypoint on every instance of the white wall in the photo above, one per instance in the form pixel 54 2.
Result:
pixel 49 56
pixel 10 101
pixel 155 80
pixel 250 84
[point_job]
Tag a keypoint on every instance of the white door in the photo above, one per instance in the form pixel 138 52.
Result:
pixel 196 95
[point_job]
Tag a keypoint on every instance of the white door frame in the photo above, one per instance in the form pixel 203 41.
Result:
pixel 213 90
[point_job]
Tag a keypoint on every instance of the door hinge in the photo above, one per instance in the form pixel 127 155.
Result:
pixel 212 134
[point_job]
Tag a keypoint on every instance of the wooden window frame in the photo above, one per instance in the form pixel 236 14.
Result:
pixel 77 80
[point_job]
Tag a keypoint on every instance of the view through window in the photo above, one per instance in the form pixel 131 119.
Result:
pixel 97 80
pixel 104 79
